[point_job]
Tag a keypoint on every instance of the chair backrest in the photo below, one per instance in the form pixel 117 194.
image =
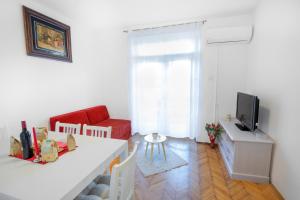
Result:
pixel 97 131
pixel 67 128
pixel 122 178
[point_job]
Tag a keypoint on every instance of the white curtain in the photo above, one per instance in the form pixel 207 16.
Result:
pixel 165 80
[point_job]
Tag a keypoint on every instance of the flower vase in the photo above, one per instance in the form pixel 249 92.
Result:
pixel 212 142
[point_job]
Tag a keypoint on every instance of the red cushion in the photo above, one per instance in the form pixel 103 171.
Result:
pixel 97 114
pixel 121 129
pixel 77 117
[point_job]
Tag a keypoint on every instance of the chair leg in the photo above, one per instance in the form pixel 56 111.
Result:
pixel 163 146
pixel 146 149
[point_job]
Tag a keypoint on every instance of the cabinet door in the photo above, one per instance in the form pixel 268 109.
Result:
pixel 253 158
pixel 227 150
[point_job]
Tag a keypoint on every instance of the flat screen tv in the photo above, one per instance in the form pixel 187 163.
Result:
pixel 247 111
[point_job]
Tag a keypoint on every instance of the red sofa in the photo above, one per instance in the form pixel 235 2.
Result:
pixel 96 116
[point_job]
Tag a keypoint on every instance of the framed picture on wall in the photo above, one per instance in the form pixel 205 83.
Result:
pixel 46 37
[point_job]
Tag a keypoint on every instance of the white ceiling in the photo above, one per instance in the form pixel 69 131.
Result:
pixel 139 12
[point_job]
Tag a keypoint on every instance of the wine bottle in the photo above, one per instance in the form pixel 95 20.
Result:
pixel 26 142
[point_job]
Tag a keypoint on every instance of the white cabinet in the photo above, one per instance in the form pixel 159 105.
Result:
pixel 247 155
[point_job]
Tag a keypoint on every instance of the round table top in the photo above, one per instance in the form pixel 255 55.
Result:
pixel 160 138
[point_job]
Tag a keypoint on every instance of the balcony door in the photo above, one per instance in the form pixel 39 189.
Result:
pixel 165 81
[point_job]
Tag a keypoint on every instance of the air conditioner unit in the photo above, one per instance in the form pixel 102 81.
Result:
pixel 229 34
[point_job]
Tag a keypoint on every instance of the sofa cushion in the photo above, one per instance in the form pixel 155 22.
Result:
pixel 77 117
pixel 97 114
pixel 121 129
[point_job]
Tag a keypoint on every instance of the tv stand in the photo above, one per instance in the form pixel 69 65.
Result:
pixel 247 155
pixel 242 127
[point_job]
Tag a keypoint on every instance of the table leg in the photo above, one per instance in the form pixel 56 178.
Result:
pixel 146 149
pixel 163 146
pixel 158 148
pixel 151 151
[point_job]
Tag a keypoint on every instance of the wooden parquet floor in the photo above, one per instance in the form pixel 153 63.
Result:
pixel 205 177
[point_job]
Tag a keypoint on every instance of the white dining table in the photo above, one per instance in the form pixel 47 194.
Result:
pixel 63 179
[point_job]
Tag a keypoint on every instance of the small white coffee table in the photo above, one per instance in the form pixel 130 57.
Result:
pixel 159 140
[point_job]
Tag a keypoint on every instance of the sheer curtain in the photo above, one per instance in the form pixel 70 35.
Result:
pixel 165 80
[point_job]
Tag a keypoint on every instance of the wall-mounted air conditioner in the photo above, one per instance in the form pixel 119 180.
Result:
pixel 229 34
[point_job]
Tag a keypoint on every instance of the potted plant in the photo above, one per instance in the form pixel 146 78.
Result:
pixel 213 131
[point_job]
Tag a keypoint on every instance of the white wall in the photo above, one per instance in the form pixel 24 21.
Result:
pixel 232 61
pixel 274 77
pixel 34 89
pixel 111 74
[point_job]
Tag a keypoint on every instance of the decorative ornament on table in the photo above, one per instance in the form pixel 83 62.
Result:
pixel 155 136
pixel 213 131
pixel 228 117
pixel 49 151
pixel 15 147
pixel 71 142
pixel 41 133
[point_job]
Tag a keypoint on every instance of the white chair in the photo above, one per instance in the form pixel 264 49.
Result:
pixel 97 131
pixel 122 178
pixel 120 186
pixel 67 128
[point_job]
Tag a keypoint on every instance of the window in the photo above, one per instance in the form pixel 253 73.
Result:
pixel 165 80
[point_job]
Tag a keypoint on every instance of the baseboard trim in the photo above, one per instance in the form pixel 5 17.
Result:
pixel 249 177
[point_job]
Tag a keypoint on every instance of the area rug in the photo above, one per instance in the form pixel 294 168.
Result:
pixel 159 164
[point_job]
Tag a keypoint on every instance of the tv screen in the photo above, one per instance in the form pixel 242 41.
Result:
pixel 247 111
